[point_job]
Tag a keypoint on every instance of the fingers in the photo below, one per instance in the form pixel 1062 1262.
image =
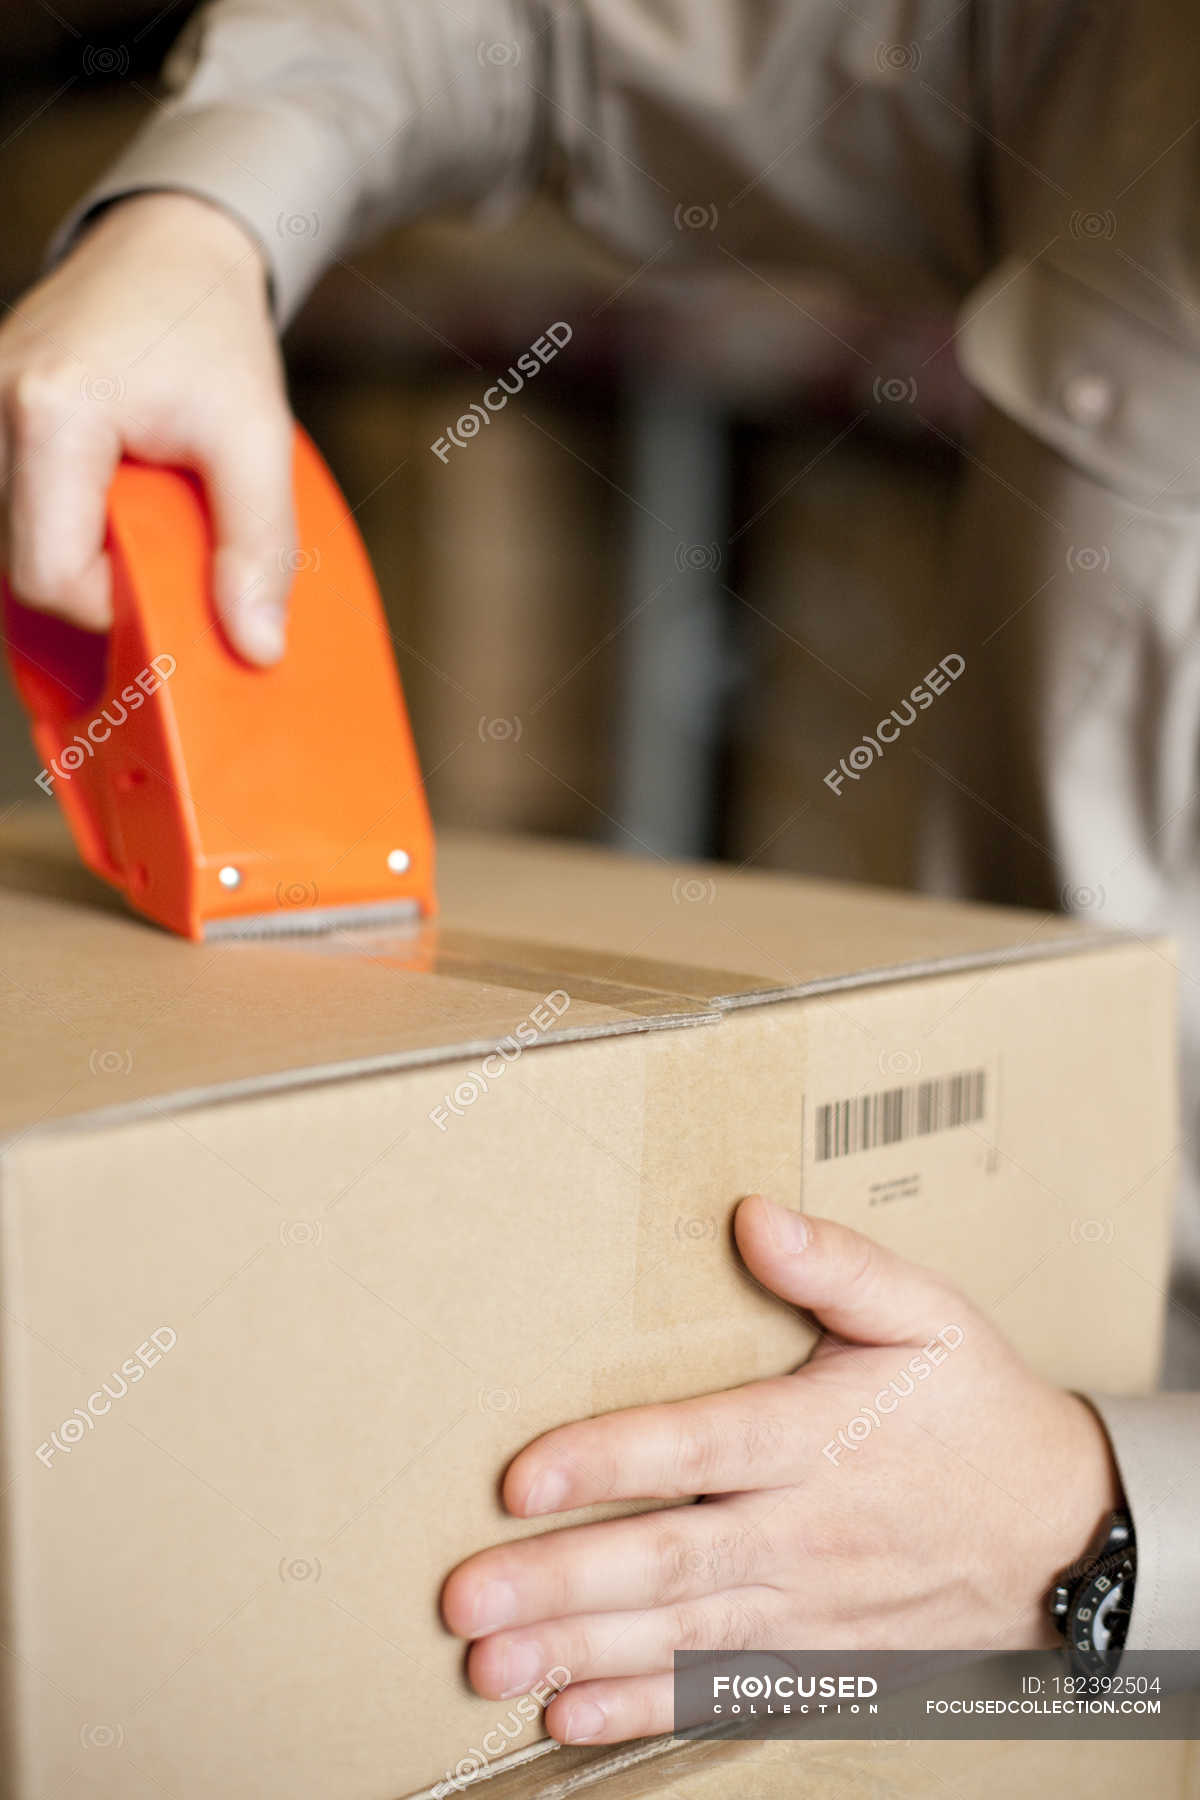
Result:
pixel 63 451
pixel 857 1289
pixel 652 1559
pixel 247 473
pixel 609 1644
pixel 756 1436
pixel 747 1436
pixel 153 338
pixel 610 1712
pixel 612 1602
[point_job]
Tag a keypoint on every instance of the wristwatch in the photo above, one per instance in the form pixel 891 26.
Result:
pixel 1091 1602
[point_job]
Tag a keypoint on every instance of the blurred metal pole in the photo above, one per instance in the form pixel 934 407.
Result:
pixel 677 658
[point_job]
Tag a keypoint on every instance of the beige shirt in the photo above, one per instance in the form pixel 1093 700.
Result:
pixel 1034 165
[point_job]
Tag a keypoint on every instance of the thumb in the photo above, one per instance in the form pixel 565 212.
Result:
pixel 248 478
pixel 857 1289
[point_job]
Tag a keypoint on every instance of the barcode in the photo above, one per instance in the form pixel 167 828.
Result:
pixel 869 1120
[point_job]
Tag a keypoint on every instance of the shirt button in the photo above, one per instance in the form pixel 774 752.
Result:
pixel 1088 399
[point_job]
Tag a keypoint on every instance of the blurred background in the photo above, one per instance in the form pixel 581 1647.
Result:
pixel 659 596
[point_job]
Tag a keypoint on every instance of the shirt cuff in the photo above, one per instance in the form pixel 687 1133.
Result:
pixel 1156 1441
pixel 262 165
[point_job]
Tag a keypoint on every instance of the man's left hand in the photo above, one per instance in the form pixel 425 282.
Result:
pixel 912 1486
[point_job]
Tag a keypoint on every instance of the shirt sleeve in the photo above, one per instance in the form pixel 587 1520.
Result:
pixel 318 122
pixel 1156 1441
pixel 315 123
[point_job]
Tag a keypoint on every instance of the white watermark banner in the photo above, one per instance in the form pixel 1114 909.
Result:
pixel 885 1695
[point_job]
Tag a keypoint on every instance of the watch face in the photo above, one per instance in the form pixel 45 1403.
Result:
pixel 1098 1619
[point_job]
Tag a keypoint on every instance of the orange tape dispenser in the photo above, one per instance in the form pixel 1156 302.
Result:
pixel 221 798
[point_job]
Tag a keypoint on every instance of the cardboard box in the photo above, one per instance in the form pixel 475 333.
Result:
pixel 350 1257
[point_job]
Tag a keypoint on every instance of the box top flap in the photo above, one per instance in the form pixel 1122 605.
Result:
pixel 103 1014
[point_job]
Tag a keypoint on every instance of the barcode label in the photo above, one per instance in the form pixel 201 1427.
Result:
pixel 870 1120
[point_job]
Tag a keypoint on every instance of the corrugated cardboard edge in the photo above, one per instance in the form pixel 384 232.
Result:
pixel 628 1771
pixel 1082 944
pixel 549 961
pixel 322 1074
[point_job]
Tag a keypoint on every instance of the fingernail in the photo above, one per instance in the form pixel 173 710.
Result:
pixel 585 1720
pixel 788 1230
pixel 548 1492
pixel 522 1664
pixel 495 1606
pixel 260 633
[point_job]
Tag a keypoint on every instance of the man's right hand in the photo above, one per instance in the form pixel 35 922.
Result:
pixel 152 338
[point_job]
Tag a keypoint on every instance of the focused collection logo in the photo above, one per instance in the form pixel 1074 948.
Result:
pixel 82 747
pixel 853 766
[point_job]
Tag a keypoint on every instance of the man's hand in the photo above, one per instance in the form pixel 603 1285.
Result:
pixel 913 1486
pixel 153 337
